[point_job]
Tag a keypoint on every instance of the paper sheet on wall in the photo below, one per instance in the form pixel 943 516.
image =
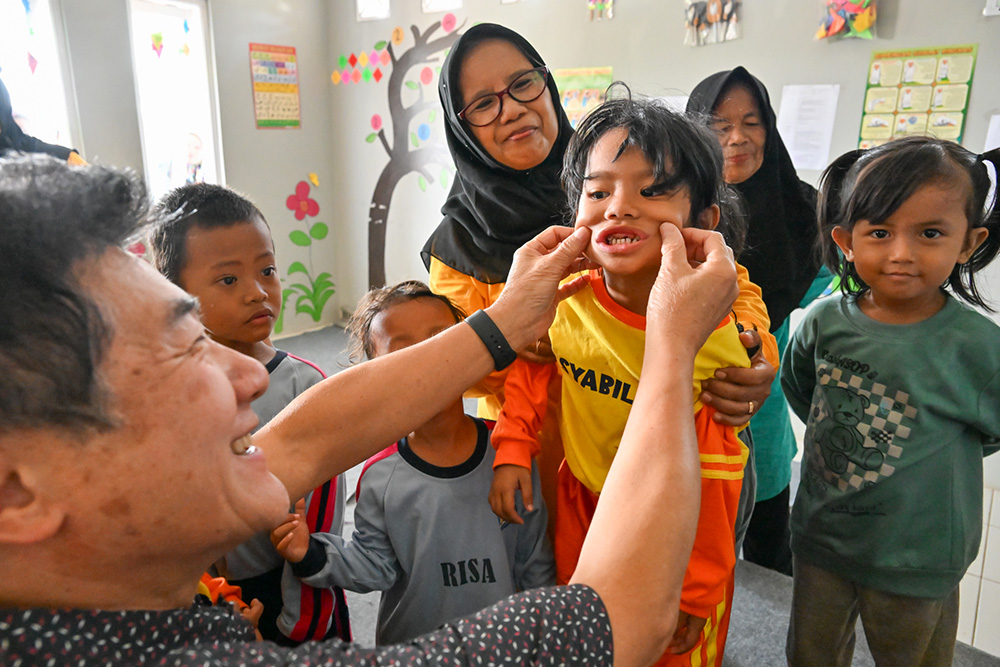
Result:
pixel 805 123
pixel 372 10
pixel 993 133
pixel 430 6
pixel 275 75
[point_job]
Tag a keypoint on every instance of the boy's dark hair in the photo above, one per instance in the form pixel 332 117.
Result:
pixel 682 150
pixel 872 185
pixel 380 299
pixel 53 338
pixel 202 204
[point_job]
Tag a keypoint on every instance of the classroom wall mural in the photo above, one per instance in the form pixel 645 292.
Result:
pixel 406 133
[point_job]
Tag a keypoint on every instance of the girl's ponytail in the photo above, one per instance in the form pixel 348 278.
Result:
pixel 831 202
pixel 984 212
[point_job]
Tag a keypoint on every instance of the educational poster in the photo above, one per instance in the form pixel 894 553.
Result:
pixel 582 89
pixel 275 86
pixel 917 91
pixel 711 21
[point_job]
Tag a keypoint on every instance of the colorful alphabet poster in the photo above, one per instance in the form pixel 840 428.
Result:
pixel 917 91
pixel 582 89
pixel 275 74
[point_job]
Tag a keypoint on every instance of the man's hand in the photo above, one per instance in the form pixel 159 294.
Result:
pixel 527 305
pixel 507 479
pixel 291 539
pixel 695 288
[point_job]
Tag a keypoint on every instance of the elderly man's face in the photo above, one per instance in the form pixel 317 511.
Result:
pixel 173 479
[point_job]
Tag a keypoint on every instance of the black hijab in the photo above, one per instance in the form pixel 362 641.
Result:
pixel 14 140
pixel 781 209
pixel 492 209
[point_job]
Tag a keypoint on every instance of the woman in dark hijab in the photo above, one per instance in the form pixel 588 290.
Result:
pixel 14 140
pixel 493 208
pixel 508 134
pixel 781 234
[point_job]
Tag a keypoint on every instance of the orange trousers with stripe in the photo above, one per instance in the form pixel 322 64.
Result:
pixel 575 510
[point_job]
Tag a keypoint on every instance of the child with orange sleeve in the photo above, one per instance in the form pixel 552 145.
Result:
pixel 632 166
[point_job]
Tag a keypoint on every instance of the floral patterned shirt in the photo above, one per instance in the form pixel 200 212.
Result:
pixel 549 626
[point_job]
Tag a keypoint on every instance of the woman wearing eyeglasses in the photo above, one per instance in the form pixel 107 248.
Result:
pixel 507 134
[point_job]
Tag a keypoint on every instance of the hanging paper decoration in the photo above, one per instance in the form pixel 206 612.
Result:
pixel 848 19
pixel 158 43
pixel 601 8
pixel 711 21
pixel 32 63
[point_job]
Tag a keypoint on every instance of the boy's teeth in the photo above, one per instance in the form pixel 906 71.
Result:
pixel 243 446
pixel 618 240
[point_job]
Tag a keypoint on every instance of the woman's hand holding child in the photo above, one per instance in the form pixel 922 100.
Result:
pixel 732 391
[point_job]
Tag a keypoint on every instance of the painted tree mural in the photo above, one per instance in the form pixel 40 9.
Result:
pixel 406 141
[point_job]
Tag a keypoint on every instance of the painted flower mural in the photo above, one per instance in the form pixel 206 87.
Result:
pixel 310 293
pixel 301 203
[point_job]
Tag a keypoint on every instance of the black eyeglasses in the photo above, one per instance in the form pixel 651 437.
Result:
pixel 528 87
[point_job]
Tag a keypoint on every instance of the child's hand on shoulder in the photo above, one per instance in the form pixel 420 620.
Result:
pixel 687 633
pixel 507 479
pixel 291 539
